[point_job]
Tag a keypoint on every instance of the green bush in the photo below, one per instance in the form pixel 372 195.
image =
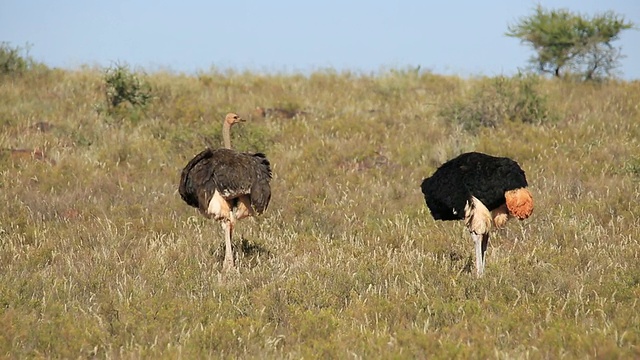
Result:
pixel 499 99
pixel 122 85
pixel 13 60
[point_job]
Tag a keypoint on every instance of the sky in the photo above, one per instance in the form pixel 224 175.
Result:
pixel 464 38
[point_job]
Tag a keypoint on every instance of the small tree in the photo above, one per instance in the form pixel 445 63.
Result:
pixel 123 85
pixel 568 43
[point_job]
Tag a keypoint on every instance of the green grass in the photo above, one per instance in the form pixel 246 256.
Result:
pixel 99 256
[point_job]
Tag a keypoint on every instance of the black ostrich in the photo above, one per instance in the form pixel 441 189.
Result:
pixel 482 190
pixel 227 185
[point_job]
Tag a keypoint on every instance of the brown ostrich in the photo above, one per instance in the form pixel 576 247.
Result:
pixel 482 190
pixel 35 154
pixel 227 185
pixel 277 113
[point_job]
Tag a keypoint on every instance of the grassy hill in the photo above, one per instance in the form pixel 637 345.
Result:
pixel 99 256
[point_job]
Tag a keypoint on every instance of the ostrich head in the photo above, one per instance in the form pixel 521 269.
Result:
pixel 229 121
pixel 232 118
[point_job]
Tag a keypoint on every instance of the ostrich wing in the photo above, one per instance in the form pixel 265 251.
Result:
pixel 260 188
pixel 445 193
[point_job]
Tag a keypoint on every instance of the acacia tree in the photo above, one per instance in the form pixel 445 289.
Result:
pixel 568 43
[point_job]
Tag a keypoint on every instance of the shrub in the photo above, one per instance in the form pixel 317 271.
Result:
pixel 122 85
pixel 13 60
pixel 500 99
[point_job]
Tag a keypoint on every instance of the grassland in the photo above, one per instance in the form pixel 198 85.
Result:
pixel 99 257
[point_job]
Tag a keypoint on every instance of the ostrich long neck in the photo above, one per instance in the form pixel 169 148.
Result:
pixel 226 135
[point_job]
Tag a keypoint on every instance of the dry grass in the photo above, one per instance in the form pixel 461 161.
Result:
pixel 99 257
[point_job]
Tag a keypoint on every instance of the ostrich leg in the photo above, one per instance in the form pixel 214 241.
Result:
pixel 481 241
pixel 228 263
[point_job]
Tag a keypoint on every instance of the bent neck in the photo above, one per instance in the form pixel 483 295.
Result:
pixel 226 135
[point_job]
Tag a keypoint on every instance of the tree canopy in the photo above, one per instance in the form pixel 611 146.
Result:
pixel 571 44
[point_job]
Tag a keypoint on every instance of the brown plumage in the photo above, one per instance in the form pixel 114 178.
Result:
pixel 277 113
pixel 227 185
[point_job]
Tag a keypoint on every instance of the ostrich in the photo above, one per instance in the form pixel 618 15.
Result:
pixel 227 185
pixel 277 112
pixel 481 189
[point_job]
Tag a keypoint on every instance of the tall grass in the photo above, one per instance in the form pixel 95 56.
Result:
pixel 99 257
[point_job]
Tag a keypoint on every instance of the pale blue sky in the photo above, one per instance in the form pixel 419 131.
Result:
pixel 448 37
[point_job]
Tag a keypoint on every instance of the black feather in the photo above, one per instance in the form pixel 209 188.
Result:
pixel 483 176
